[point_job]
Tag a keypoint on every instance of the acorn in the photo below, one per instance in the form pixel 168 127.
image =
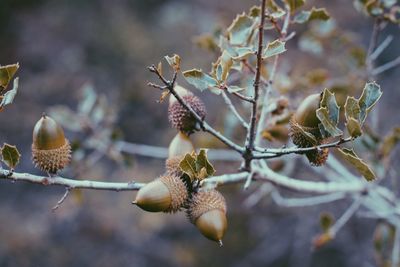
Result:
pixel 178 148
pixel 207 211
pixel 304 129
pixel 179 117
pixel 51 151
pixel 167 194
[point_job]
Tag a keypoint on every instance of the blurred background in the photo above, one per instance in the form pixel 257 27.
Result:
pixel 65 47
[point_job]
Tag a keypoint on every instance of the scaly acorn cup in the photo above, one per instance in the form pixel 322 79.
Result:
pixel 305 123
pixel 207 210
pixel 167 194
pixel 179 117
pixel 179 146
pixel 51 151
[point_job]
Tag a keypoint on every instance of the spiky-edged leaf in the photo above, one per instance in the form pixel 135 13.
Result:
pixel 188 166
pixel 202 162
pixel 174 62
pixel 6 74
pixel 274 48
pixel 328 101
pixel 354 127
pixel 350 156
pixel 10 155
pixel 295 4
pixel 9 96
pixel 329 125
pixel 313 14
pixel 241 29
pixel 370 95
pixel 199 79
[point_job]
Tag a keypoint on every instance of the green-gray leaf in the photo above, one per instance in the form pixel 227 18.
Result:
pixel 7 73
pixel 9 96
pixel 225 63
pixel 351 157
pixel 274 48
pixel 329 125
pixel 10 155
pixel 241 29
pixel 174 61
pixel 188 166
pixel 313 14
pixel 370 95
pixel 328 101
pixel 354 127
pixel 352 108
pixel 295 4
pixel 199 79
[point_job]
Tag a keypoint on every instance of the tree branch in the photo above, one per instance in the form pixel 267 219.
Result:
pixel 268 153
pixel 253 125
pixel 69 183
pixel 229 103
pixel 160 152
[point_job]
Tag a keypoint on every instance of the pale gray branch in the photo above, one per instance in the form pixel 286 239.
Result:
pixel 386 67
pixel 162 152
pixel 306 201
pixel 346 216
pixel 69 183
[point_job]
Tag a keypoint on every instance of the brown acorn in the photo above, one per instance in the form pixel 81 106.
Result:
pixel 207 210
pixel 304 129
pixel 179 117
pixel 179 146
pixel 167 193
pixel 51 151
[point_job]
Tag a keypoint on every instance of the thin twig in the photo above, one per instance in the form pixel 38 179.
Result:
pixel 396 248
pixel 386 66
pixel 62 199
pixel 70 183
pixel 243 97
pixel 160 152
pixel 230 105
pixel 267 153
pixel 381 47
pixel 345 217
pixel 253 119
pixel 306 201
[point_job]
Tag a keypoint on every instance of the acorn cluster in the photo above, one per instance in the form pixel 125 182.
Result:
pixel 181 118
pixel 305 131
pixel 173 191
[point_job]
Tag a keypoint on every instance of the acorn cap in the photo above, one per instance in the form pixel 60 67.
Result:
pixel 318 157
pixel 172 166
pixel 167 193
pixel 51 151
pixel 207 210
pixel 180 118
pixel 301 135
pixel 48 134
pixel 306 112
pixel 180 145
